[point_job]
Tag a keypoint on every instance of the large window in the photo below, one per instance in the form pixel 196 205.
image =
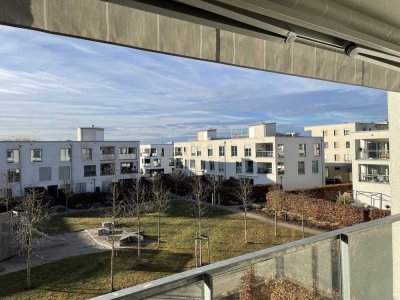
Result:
pixel 157 162
pixel 221 150
pixel 14 175
pixel 107 153
pixel 336 145
pixel 247 151
pixel 325 133
pixel 210 151
pixel 212 166
pixel 315 166
pixel 199 151
pixel 317 149
pixel 249 166
pixel 233 151
pixel 106 169
pixel 301 168
pixel 192 164
pixel 281 151
pixel 65 154
pixel 302 150
pixel 127 168
pixel 13 156
pixel 221 166
pixel 347 144
pixel 36 155
pixel 337 157
pixel 203 165
pixel 193 151
pixel 86 154
pixel 238 167
pixel 171 162
pixel 89 171
pixel 346 132
pixel 336 132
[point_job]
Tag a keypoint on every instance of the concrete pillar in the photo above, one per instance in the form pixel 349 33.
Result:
pixel 394 169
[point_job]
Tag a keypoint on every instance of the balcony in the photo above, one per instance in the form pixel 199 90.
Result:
pixel 264 168
pixel 264 153
pixel 265 150
pixel 373 154
pixel 351 263
pixel 377 178
pixel 107 157
pixel 178 153
pixel 127 156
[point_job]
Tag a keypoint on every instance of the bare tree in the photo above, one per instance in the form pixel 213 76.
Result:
pixel 161 200
pixel 114 212
pixel 137 205
pixel 198 196
pixel 34 208
pixel 67 191
pixel 244 189
pixel 214 184
pixel 176 178
pixel 302 200
pixel 277 196
pixel 5 189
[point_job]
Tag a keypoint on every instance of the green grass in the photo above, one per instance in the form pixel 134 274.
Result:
pixel 87 276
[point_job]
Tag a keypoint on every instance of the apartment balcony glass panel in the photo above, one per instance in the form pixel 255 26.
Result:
pixel 326 266
pixel 107 153
pixel 127 153
pixel 265 150
pixel 264 168
pixel 374 173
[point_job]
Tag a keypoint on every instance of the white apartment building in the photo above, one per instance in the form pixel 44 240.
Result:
pixel 338 147
pixel 156 159
pixel 264 156
pixel 371 178
pixel 87 164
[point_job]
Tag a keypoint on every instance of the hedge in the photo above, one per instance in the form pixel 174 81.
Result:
pixel 376 213
pixel 327 192
pixel 88 199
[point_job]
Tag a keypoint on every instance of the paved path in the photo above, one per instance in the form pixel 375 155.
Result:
pixel 49 250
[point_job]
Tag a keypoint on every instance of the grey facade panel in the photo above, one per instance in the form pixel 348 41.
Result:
pixel 64 173
pixel 45 174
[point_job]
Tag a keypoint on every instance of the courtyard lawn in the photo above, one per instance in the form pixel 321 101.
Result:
pixel 87 276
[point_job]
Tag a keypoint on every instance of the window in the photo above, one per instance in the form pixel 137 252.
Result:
pixel 203 164
pixel 64 173
pixel 221 150
pixel 107 153
pixel 336 132
pixel 326 145
pixel 249 166
pixel 337 168
pixel 106 169
pixel 36 155
pixel 65 154
pixel 178 151
pixel 179 163
pixel 192 164
pixel 157 162
pixel 301 168
pixel 171 162
pixel 317 149
pixel 89 170
pixel 221 166
pixel 247 151
pixel 238 167
pixel 347 145
pixel 13 175
pixel 346 132
pixel 212 166
pixel 147 162
pixel 162 152
pixel 127 153
pixel 86 154
pixel 280 168
pixel 13 156
pixel 210 151
pixel 315 166
pixel 45 174
pixel 325 133
pixel 347 157
pixel 153 152
pixel 336 145
pixel 281 151
pixel 198 151
pixel 127 168
pixel 233 151
pixel 302 150
pixel 193 151
pixel 337 157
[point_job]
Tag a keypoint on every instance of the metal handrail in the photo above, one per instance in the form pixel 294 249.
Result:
pixel 205 273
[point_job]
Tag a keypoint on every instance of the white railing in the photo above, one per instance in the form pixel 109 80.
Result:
pixel 374 178
pixel 264 153
pixel 373 154
pixel 127 156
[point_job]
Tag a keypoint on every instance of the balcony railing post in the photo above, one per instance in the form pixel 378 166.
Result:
pixel 345 267
pixel 208 287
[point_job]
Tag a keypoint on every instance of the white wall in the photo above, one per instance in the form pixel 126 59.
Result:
pixel 168 154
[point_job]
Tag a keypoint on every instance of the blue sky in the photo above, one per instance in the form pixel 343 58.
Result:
pixel 49 85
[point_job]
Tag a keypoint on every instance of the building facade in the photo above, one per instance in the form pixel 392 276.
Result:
pixel 371 176
pixel 264 156
pixel 338 147
pixel 87 165
pixel 156 159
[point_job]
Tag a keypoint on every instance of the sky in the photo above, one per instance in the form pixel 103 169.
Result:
pixel 50 85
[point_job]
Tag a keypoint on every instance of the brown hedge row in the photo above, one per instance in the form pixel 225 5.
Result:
pixel 327 192
pixel 341 215
pixel 376 213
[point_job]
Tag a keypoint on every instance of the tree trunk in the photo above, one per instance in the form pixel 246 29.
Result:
pixel 276 223
pixel 158 230
pixel 112 262
pixel 245 224
pixel 28 262
pixel 302 224
pixel 138 239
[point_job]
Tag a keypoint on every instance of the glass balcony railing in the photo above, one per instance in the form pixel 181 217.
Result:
pixel 107 157
pixel 127 156
pixel 357 262
pixel 264 153
pixel 374 178
pixel 373 154
pixel 264 171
